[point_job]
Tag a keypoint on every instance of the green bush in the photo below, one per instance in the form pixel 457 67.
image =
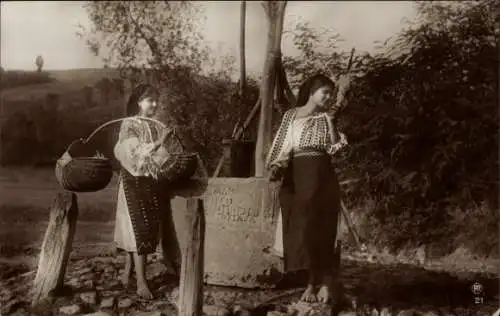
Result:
pixel 423 127
pixel 205 110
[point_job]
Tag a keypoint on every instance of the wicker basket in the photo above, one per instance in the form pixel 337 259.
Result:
pixel 179 167
pixel 90 174
pixel 83 174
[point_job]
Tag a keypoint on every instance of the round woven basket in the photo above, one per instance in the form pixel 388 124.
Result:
pixel 83 174
pixel 179 167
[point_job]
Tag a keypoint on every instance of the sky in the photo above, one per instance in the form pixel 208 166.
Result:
pixel 48 28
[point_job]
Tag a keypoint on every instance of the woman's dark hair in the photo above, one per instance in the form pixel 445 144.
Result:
pixel 310 85
pixel 140 92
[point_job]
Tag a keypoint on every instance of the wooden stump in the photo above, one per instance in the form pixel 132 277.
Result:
pixel 56 246
pixel 191 280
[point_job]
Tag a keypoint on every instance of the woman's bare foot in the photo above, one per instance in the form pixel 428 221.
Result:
pixel 143 291
pixel 324 294
pixel 308 295
pixel 140 271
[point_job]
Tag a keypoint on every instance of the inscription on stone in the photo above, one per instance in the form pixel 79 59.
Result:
pixel 231 207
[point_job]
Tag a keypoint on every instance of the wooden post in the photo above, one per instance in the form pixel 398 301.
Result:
pixel 275 13
pixel 56 246
pixel 191 281
pixel 242 48
pixel 285 85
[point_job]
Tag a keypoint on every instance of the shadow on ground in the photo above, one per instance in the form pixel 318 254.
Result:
pixel 405 286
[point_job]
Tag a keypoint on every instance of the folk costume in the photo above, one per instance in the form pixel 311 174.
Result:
pixel 309 194
pixel 142 200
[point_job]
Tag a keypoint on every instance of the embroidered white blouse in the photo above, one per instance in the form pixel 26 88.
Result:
pixel 297 130
pixel 135 148
pixel 313 132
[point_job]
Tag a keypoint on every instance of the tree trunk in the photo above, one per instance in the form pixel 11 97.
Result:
pixel 285 86
pixel 56 246
pixel 128 87
pixel 243 75
pixel 191 280
pixel 275 12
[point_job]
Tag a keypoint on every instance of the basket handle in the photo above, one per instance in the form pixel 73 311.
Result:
pixel 79 140
pixel 86 140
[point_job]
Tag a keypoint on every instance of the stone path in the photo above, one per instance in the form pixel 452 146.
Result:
pixel 92 288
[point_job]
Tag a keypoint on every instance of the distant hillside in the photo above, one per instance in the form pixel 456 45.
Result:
pixel 55 107
pixel 59 81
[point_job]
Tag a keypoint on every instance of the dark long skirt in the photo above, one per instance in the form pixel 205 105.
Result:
pixel 143 195
pixel 310 204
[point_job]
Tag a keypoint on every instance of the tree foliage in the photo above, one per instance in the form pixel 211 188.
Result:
pixel 423 123
pixel 163 37
pixel 153 34
pixel 318 52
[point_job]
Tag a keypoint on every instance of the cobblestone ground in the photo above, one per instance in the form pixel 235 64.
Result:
pixel 368 289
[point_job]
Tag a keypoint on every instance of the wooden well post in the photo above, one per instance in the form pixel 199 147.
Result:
pixel 56 247
pixel 275 13
pixel 191 280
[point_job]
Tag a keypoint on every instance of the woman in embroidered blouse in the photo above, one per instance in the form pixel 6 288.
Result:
pixel 310 193
pixel 137 223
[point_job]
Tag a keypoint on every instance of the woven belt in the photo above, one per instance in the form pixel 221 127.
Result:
pixel 307 152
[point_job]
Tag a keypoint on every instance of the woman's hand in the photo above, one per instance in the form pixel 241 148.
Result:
pixel 339 145
pixel 343 139
pixel 276 171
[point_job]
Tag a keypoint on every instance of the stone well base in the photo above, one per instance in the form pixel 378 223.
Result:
pixel 241 215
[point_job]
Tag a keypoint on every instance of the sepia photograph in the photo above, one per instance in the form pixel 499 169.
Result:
pixel 249 158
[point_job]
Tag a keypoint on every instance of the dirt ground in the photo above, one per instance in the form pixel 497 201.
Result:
pixel 366 286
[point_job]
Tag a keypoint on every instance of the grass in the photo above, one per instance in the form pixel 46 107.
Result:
pixel 68 84
pixel 27 194
pixel 21 238
pixel 77 114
